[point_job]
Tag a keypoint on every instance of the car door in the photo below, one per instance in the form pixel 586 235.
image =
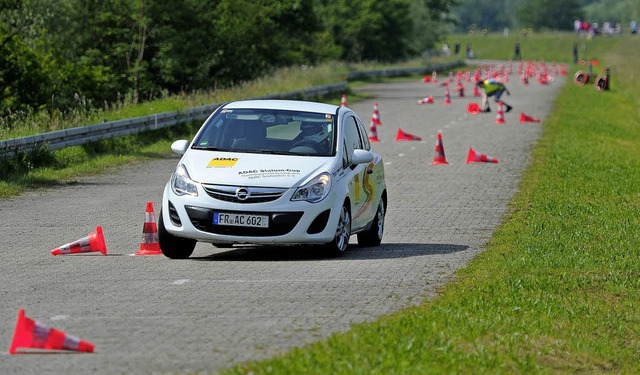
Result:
pixel 355 173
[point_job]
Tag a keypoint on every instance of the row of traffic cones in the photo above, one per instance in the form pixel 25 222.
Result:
pixel 94 242
pixel 473 108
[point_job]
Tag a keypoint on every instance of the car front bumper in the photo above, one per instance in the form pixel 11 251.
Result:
pixel 289 222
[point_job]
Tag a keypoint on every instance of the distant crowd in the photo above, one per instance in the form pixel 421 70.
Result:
pixel 584 28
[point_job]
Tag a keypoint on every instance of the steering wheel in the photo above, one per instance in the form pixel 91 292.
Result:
pixel 306 143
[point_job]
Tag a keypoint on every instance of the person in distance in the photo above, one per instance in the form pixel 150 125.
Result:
pixel 493 87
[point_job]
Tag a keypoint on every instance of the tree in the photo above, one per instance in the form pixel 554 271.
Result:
pixel 369 29
pixel 484 14
pixel 430 19
pixel 550 14
pixel 23 79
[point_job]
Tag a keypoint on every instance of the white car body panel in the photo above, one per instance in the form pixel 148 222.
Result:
pixel 362 185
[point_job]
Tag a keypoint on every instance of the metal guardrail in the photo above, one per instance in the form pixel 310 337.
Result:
pixel 77 136
pixel 401 71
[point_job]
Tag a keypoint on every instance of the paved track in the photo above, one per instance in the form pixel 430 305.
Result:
pixel 154 315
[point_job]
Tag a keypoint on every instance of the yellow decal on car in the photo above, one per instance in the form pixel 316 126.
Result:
pixel 369 190
pixel 356 179
pixel 222 162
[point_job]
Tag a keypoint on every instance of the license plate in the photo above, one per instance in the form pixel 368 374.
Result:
pixel 241 220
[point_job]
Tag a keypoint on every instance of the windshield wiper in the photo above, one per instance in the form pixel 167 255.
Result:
pixel 207 148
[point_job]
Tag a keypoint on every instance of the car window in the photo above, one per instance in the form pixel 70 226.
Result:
pixel 269 131
pixel 364 137
pixel 352 139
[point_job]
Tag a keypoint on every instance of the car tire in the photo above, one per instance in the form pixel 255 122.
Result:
pixel 340 241
pixel 174 247
pixel 373 236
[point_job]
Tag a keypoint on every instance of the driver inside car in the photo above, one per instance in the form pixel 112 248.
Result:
pixel 314 135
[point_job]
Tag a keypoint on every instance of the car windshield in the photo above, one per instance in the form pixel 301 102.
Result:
pixel 269 131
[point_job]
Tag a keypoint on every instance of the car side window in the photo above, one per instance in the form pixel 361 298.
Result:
pixel 364 137
pixel 352 140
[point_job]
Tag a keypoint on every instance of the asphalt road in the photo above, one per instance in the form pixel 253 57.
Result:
pixel 223 306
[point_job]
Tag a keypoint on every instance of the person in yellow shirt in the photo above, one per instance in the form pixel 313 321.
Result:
pixel 493 87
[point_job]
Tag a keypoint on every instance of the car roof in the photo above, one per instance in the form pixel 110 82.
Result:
pixel 294 105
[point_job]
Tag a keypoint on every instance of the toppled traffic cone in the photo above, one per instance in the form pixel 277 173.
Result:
pixel 500 116
pixel 404 136
pixel 94 242
pixel 427 100
pixel 150 244
pixel 375 118
pixel 426 79
pixel 439 158
pixel 343 101
pixel 373 133
pixel 473 108
pixel 525 118
pixel 477 157
pixel 447 96
pixel 31 334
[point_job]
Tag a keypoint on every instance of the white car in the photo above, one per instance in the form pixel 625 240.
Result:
pixel 275 172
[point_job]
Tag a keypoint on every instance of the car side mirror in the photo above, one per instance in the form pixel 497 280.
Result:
pixel 361 157
pixel 180 146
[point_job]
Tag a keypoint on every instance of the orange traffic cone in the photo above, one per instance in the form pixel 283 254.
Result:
pixel 447 96
pixel 476 91
pixel 500 116
pixel 150 244
pixel 373 136
pixel 525 118
pixel 460 88
pixel 439 158
pixel 426 79
pixel 427 100
pixel 343 101
pixel 476 157
pixel 94 242
pixel 375 118
pixel 434 77
pixel 31 334
pixel 473 108
pixel 403 136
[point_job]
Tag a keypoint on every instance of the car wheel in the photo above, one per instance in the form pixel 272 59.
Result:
pixel 373 236
pixel 174 247
pixel 343 231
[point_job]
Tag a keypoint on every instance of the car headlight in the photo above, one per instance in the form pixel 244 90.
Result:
pixel 315 190
pixel 182 184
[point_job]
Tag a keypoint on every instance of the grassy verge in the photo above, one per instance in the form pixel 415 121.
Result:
pixel 558 287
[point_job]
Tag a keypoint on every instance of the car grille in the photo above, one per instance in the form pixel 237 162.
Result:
pixel 253 194
pixel 279 223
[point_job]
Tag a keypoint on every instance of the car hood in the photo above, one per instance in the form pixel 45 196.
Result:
pixel 247 169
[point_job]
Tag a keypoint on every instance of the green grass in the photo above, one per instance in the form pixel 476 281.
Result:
pixel 558 288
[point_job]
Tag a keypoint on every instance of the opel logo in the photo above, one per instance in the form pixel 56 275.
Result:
pixel 242 193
